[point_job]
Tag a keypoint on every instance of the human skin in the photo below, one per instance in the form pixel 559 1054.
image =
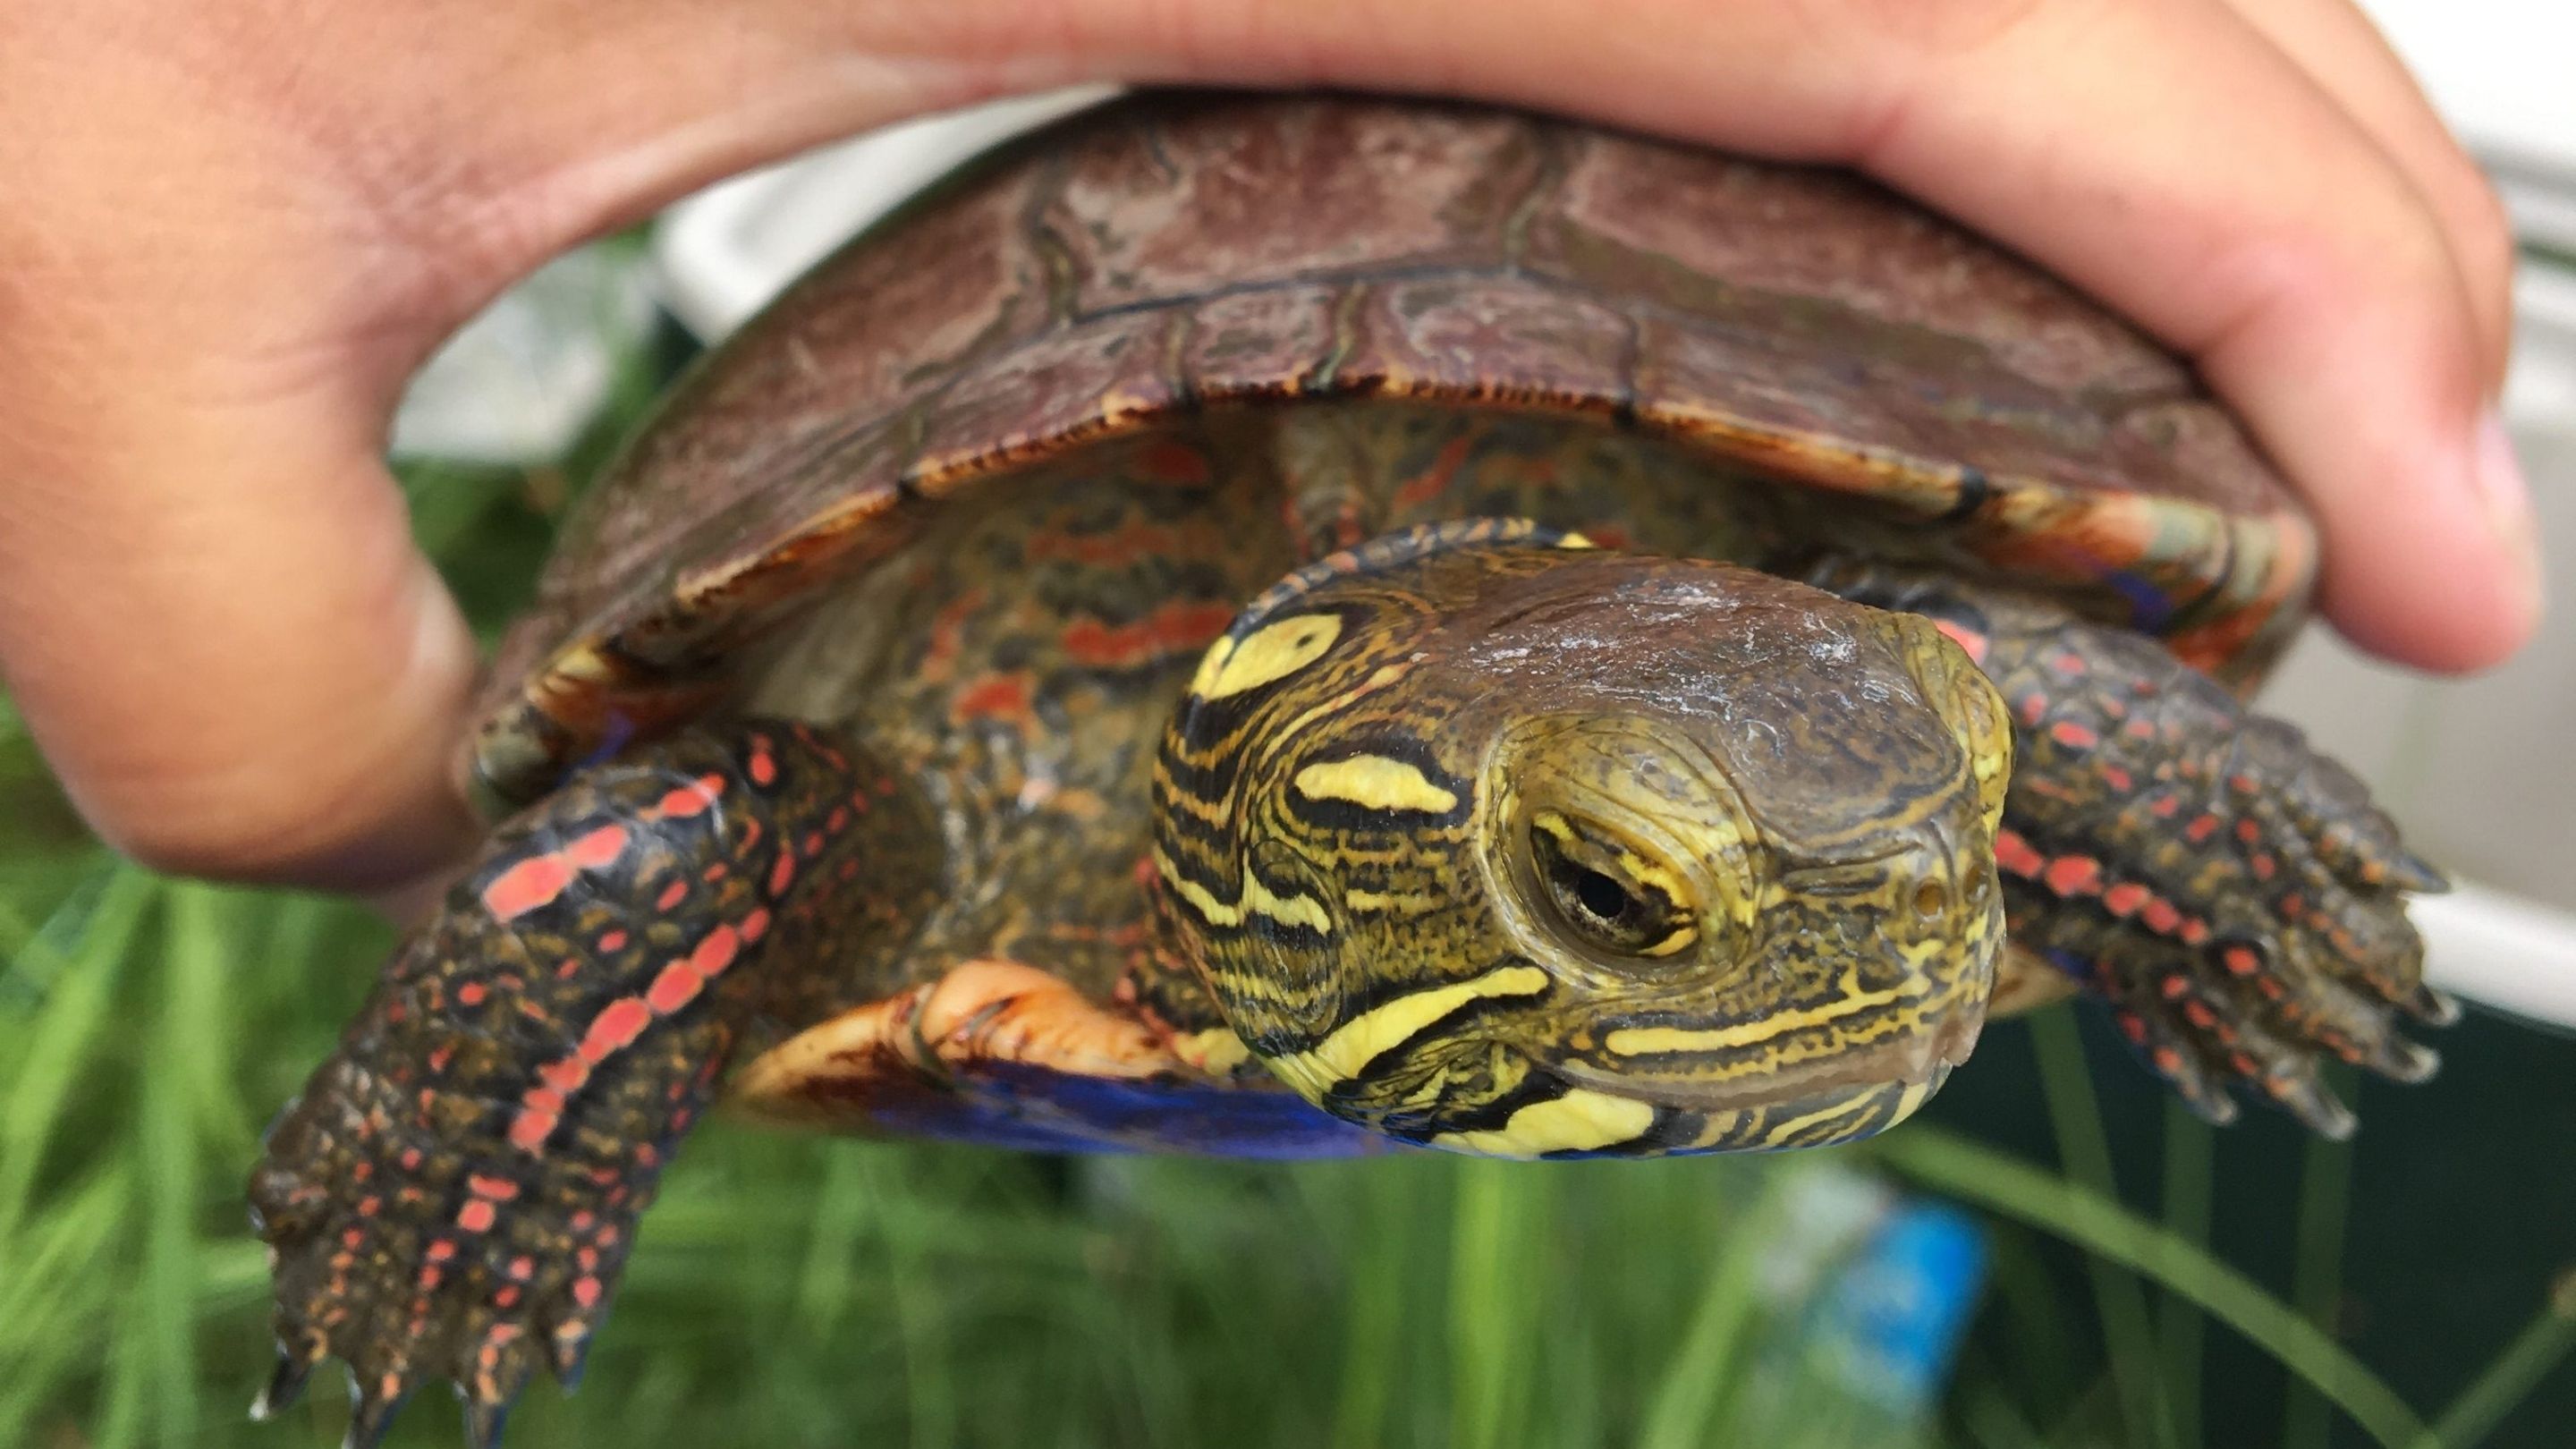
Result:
pixel 230 229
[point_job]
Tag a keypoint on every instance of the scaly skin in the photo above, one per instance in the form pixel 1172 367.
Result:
pixel 2232 895
pixel 455 1191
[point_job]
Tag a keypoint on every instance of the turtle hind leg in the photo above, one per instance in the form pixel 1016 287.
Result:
pixel 455 1191
pixel 2232 895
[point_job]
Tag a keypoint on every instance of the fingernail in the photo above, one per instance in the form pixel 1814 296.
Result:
pixel 2507 499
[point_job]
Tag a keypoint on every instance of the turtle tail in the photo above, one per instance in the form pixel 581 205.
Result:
pixel 455 1191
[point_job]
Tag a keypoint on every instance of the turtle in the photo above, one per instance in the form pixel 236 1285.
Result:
pixel 1299 625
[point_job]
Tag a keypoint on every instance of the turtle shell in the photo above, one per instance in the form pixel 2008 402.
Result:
pixel 1171 253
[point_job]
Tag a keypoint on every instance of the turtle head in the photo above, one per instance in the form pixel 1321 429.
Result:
pixel 1512 846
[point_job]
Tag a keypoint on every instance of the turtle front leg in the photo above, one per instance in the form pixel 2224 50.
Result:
pixel 455 1191
pixel 2233 895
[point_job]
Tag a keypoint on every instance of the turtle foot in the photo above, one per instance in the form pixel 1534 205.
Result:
pixel 454 1193
pixel 2233 895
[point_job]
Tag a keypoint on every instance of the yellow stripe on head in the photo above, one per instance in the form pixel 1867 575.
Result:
pixel 1270 653
pixel 1359 1041
pixel 1377 782
pixel 1580 1121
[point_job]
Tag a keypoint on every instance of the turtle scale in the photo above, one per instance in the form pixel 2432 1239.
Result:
pixel 1134 265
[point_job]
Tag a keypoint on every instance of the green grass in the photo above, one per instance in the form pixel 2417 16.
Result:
pixel 795 1292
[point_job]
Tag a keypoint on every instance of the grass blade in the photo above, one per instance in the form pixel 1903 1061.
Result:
pixel 2001 1183
pixel 2542 1345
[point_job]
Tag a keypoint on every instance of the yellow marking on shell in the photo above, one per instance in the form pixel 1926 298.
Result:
pixel 1377 782
pixel 1269 653
pixel 1575 540
pixel 1915 1095
pixel 1358 1041
pixel 1644 1040
pixel 1582 1120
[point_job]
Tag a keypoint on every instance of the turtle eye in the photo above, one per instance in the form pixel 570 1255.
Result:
pixel 1611 895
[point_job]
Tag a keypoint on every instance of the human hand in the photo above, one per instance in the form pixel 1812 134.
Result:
pixel 231 229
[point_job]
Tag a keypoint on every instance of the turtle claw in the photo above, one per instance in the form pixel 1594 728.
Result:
pixel 483 1419
pixel 371 1416
pixel 285 1385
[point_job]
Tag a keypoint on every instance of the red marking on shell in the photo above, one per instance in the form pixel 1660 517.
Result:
pixel 2199 1015
pixel 782 875
pixel 2117 778
pixel 838 820
pixel 2200 829
pixel 524 887
pixel 672 894
pixel 713 873
pixel 607 1236
pixel 370 1205
pixel 2034 708
pixel 2242 784
pixel 585 1291
pixel 676 987
pixel 995 696
pixel 2167 1060
pixel 564 1076
pixel 440 1250
pixel 352 1238
pixel 611 942
pixel 438 1060
pixel 2262 864
pixel 2125 898
pixel 2134 1027
pixel 2074 875
pixel 411 1159
pixel 2243 1064
pixel 1974 643
pixel 648 1155
pixel 2160 916
pixel 2140 729
pixel 2294 905
pixel 2249 830
pixel 499 1189
pixel 2073 735
pixel 2194 930
pixel 565 970
pixel 763 765
pixel 2241 960
pixel 2175 988
pixel 599 848
pixel 588 1258
pixel 470 994
pixel 582 1220
pixel 755 925
pixel 813 844
pixel 1173 461
pixel 615 1028
pixel 1173 631
pixel 2164 807
pixel 522 1268
pixel 507 1297
pixel 476 1216
pixel 2015 856
pixel 2068 663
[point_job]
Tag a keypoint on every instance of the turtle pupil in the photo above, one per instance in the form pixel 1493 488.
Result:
pixel 1600 895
